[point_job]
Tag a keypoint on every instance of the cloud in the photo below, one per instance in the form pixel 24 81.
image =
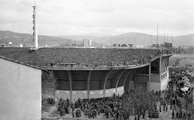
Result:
pixel 98 16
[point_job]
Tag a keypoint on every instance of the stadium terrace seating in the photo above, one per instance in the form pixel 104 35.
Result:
pixel 89 57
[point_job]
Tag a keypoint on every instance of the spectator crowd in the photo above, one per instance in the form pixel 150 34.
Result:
pixel 83 57
pixel 135 103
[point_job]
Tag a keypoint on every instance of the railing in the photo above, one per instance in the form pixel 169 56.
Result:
pixel 93 68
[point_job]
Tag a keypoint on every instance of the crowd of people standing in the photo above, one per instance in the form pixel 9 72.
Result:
pixel 134 103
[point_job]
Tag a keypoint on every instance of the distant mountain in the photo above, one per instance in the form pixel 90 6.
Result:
pixel 184 40
pixel 140 39
pixel 129 38
pixel 135 38
pixel 80 37
pixel 26 39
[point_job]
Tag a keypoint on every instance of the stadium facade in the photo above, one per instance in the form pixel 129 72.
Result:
pixel 74 83
pixel 27 74
pixel 73 73
pixel 94 72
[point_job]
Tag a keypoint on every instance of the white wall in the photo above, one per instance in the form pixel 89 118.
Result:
pixel 62 94
pixel 110 92
pixel 160 81
pixel 164 81
pixel 20 92
pixel 156 86
pixel 83 94
pixel 96 94
pixel 162 85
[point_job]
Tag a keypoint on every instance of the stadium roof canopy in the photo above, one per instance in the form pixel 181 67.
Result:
pixel 77 56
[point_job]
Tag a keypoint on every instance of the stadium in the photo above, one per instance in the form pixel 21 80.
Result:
pixel 27 75
pixel 82 72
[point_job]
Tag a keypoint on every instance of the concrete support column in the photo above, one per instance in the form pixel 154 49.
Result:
pixel 135 79
pixel 70 84
pixel 88 84
pixel 127 82
pixel 51 73
pixel 160 69
pixel 104 86
pixel 148 86
pixel 116 91
pixel 126 78
pixel 130 80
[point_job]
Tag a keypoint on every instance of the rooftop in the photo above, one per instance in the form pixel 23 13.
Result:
pixel 79 58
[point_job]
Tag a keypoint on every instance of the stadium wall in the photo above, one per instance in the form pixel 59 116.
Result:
pixel 164 75
pixel 48 84
pixel 155 86
pixel 20 91
pixel 159 78
pixel 141 81
pixel 154 83
pixel 103 83
pixel 92 93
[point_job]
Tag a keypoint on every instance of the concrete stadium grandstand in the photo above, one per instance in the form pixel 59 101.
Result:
pixel 27 75
pixel 93 72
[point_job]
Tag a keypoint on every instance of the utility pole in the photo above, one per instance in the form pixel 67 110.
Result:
pixel 164 34
pixel 157 37
pixel 172 38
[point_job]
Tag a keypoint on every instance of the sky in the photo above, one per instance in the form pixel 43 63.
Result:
pixel 99 17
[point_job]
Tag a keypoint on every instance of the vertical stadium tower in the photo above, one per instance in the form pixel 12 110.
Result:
pixel 35 32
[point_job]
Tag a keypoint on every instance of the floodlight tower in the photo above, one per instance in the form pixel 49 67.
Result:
pixel 35 33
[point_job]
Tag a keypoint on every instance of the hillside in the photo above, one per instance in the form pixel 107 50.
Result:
pixel 182 60
pixel 184 40
pixel 26 39
pixel 139 39
pixel 135 38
